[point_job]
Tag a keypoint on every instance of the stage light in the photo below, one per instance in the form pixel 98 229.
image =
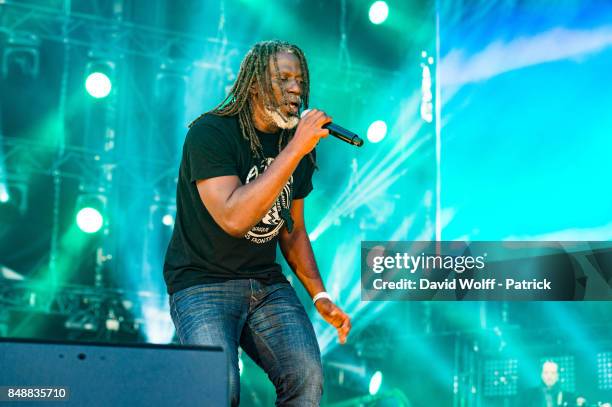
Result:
pixel 82 320
pixel 377 131
pixel 604 370
pixel 500 377
pixel 98 85
pixel 13 200
pixel 375 382
pixel 426 93
pixel 4 195
pixel 20 56
pixel 168 220
pixel 347 368
pixel 89 220
pixel 379 11
pixel 112 324
pixel 90 207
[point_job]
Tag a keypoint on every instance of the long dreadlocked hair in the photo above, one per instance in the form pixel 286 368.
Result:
pixel 254 70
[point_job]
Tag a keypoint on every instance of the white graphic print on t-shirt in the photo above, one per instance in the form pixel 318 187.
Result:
pixel 272 222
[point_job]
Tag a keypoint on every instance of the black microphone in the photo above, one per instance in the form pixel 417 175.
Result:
pixel 340 132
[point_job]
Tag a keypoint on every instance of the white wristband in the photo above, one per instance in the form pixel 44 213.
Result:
pixel 322 294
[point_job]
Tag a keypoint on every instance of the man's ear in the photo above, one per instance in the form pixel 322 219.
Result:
pixel 253 89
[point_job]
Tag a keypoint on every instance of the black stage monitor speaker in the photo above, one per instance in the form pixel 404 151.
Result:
pixel 97 374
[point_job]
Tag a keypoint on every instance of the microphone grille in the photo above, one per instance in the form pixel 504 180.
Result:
pixel 304 113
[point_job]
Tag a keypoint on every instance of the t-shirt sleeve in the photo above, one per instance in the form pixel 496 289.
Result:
pixel 209 153
pixel 305 186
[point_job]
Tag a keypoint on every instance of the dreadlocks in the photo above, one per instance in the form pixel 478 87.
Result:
pixel 254 70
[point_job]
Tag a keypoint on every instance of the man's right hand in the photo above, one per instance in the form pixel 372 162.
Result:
pixel 309 131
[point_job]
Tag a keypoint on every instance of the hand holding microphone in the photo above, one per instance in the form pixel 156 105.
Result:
pixel 339 132
pixel 310 130
pixel 315 125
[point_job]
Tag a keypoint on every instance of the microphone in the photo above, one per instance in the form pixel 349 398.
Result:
pixel 340 132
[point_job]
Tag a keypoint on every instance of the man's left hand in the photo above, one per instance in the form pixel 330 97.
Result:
pixel 334 316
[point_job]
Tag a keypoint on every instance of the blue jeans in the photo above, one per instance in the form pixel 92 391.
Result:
pixel 267 321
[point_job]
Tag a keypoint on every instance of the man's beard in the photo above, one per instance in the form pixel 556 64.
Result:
pixel 280 120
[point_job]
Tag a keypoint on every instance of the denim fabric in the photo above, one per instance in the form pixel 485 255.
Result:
pixel 267 321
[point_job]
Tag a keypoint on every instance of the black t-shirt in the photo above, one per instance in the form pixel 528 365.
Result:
pixel 542 396
pixel 199 250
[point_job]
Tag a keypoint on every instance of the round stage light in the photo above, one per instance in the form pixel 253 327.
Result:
pixel 377 131
pixel 379 11
pixel 98 85
pixel 89 220
pixel 375 382
pixel 168 220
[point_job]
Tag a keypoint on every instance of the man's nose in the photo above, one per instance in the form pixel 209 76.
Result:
pixel 294 87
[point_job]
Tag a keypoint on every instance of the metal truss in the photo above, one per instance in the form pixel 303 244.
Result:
pixel 66 300
pixel 127 38
pixel 88 30
pixel 85 308
pixel 83 164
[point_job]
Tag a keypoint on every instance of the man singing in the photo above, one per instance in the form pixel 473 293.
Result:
pixel 245 171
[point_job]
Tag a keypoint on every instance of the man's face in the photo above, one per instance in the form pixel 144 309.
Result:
pixel 287 87
pixel 550 374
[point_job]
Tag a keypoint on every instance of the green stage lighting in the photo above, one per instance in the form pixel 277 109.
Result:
pixel 98 85
pixel 13 200
pixel 377 131
pixel 4 195
pixel 379 11
pixel 168 220
pixel 89 220
pixel 375 382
